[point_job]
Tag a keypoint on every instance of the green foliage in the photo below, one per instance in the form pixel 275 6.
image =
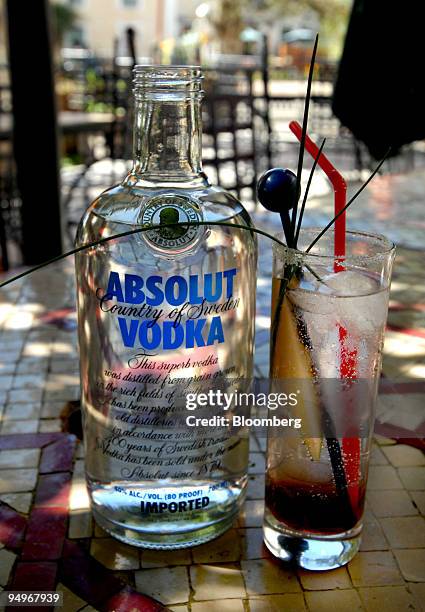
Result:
pixel 234 14
pixel 229 23
pixel 63 20
pixel 71 160
pixel 323 8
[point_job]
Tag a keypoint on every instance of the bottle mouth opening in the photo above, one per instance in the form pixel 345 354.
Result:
pixel 171 79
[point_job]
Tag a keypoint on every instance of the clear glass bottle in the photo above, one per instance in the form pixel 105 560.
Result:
pixel 163 311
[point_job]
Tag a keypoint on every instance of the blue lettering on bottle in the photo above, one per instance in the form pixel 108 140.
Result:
pixel 149 335
pixel 176 290
pixel 156 295
pixel 173 336
pixel 132 289
pixel 212 295
pixel 114 289
pixel 229 275
pixel 195 298
pixel 194 335
pixel 128 330
pixel 216 331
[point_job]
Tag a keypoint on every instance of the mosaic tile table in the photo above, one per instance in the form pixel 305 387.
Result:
pixel 47 536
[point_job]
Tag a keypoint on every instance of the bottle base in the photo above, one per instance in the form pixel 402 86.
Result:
pixel 308 551
pixel 159 541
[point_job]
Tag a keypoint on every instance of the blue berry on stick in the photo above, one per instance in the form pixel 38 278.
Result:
pixel 276 189
pixel 277 192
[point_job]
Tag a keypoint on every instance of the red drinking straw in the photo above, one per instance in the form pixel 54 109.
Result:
pixel 338 183
pixel 347 368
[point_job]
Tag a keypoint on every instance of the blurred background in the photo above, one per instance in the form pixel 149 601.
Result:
pixel 65 99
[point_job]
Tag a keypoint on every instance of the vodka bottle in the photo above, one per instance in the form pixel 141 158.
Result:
pixel 162 314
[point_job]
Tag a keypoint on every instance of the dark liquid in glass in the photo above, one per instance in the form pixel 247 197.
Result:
pixel 314 507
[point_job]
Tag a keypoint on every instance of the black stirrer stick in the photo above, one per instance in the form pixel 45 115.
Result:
pixel 307 189
pixel 304 132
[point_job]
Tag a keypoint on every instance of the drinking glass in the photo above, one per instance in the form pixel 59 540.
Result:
pixel 328 320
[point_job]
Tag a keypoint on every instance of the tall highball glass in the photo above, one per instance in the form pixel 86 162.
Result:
pixel 328 320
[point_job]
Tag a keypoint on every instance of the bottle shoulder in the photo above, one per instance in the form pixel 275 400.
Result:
pixel 124 203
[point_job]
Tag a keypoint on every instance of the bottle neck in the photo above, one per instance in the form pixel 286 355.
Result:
pixel 167 139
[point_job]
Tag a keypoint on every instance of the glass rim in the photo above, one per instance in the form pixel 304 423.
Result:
pixel 388 246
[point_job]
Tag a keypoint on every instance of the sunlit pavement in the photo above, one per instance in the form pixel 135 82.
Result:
pixel 45 523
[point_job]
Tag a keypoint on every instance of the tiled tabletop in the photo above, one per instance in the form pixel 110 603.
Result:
pixel 47 536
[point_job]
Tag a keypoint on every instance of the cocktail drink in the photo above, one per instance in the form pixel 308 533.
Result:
pixel 328 320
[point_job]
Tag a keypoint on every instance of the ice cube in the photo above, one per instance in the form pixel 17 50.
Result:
pixel 306 298
pixel 348 283
pixel 360 302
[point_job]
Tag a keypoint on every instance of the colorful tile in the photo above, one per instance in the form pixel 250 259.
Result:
pixel 115 555
pixel 412 564
pixel 167 585
pixel 252 513
pixel 80 525
pixel 383 477
pixel 45 534
pixel 225 549
pixel 16 412
pixel 19 427
pixel 404 532
pixel 391 503
pixel 265 577
pixel 217 582
pixel 325 581
pixel 58 456
pixel 323 601
pixel 413 478
pixel 29 576
pixel 418 592
pixel 402 455
pixel 71 602
pixel 53 490
pixel 50 425
pixel 221 605
pixel 18 501
pixel 418 498
pixel 17 480
pixel 86 577
pixel 291 602
pixel 252 544
pixel 162 558
pixel 21 458
pixel 12 527
pixel 374 569
pixel 7 559
pixel 388 599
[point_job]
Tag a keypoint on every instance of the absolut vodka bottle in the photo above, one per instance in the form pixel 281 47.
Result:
pixel 163 314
